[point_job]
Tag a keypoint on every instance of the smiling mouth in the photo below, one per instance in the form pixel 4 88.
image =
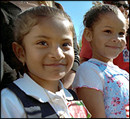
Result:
pixel 54 64
pixel 114 47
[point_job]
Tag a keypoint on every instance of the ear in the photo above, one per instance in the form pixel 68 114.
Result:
pixel 19 52
pixel 87 34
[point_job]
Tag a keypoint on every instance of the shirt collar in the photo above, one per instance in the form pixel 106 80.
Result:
pixel 31 88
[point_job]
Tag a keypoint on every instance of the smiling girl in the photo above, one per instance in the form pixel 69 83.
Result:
pixel 44 44
pixel 103 86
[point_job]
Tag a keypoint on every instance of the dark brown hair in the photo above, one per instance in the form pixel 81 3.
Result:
pixel 29 18
pixel 95 13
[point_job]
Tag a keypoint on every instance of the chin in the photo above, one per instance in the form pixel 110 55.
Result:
pixel 59 76
pixel 113 57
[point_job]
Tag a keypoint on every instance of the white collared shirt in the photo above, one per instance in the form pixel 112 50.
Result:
pixel 57 100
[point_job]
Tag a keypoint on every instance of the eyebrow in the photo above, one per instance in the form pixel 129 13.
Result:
pixel 42 36
pixel 47 37
pixel 67 39
pixel 112 27
pixel 108 26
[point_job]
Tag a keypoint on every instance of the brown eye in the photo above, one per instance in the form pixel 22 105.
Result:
pixel 107 31
pixel 66 44
pixel 42 43
pixel 121 33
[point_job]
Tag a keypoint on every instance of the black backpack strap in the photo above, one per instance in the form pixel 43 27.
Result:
pixel 73 94
pixel 33 108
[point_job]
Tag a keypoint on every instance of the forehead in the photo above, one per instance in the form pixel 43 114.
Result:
pixel 52 26
pixel 113 19
pixel 56 21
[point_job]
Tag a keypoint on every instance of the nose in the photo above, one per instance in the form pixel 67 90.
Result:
pixel 57 53
pixel 117 39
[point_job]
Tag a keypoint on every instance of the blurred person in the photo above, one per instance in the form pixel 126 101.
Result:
pixel 8 11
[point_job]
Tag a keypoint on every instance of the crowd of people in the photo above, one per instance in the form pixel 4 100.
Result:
pixel 44 74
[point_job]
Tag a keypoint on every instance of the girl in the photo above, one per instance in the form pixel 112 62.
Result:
pixel 86 51
pixel 9 56
pixel 103 86
pixel 44 45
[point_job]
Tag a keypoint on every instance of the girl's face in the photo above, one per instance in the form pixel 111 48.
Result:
pixel 108 37
pixel 48 49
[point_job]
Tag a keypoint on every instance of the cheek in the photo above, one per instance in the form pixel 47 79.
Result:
pixel 95 43
pixel 70 56
pixel 123 43
pixel 33 56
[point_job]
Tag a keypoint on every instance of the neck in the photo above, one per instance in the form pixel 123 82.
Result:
pixel 103 59
pixel 52 86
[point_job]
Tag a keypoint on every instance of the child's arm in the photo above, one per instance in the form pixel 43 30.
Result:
pixel 93 100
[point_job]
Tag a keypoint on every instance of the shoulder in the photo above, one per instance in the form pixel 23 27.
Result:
pixel 9 100
pixel 87 67
pixel 8 96
pixel 89 75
